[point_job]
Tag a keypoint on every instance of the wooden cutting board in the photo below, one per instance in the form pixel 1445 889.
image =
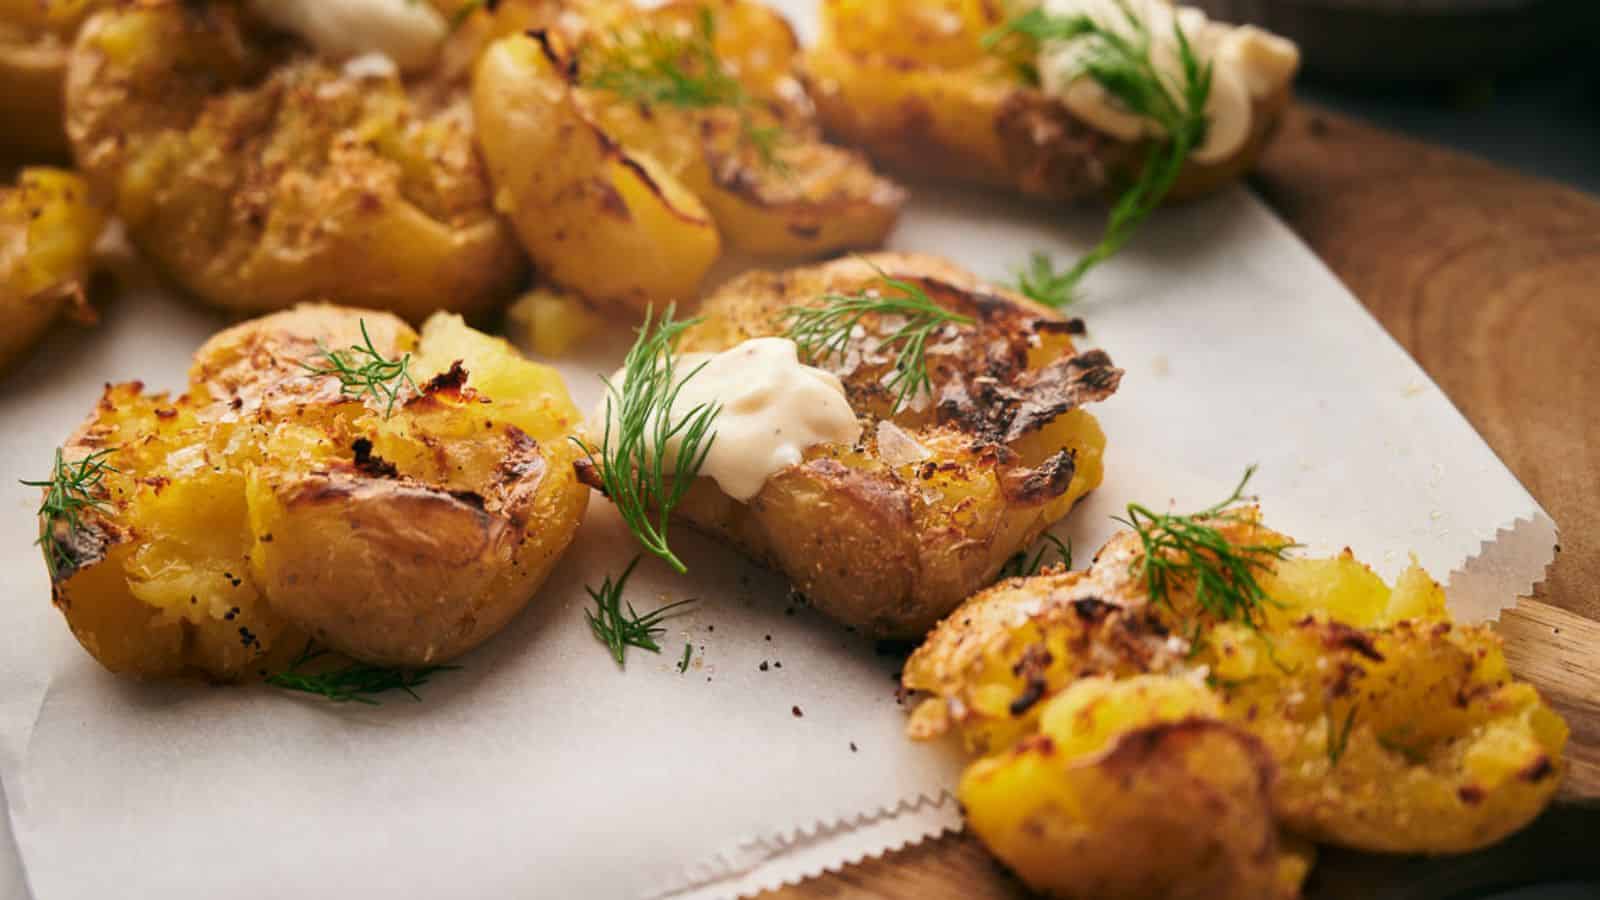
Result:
pixel 1491 280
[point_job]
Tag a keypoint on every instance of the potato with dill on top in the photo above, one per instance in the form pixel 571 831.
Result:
pixel 952 475
pixel 48 227
pixel 658 136
pixel 329 474
pixel 1383 725
pixel 259 174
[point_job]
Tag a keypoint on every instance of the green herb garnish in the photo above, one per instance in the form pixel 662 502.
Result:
pixel 683 664
pixel 1121 63
pixel 1022 566
pixel 363 371
pixel 69 491
pixel 1043 283
pixel 650 67
pixel 1190 548
pixel 825 331
pixel 616 624
pixel 355 683
pixel 1339 741
pixel 641 424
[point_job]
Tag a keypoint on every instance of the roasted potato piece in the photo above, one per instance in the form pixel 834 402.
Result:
pixel 660 171
pixel 258 176
pixel 911 81
pixel 1393 729
pixel 890 534
pixel 48 227
pixel 273 502
pixel 35 41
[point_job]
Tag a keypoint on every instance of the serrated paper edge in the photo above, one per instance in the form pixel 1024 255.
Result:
pixel 1493 572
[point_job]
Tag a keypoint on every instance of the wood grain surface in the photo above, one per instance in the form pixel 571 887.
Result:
pixel 1492 281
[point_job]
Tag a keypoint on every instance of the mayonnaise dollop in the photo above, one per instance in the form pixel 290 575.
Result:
pixel 406 31
pixel 1248 64
pixel 773 408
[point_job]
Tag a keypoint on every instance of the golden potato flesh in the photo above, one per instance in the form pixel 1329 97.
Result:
pixel 1391 727
pixel 910 81
pixel 48 227
pixel 258 176
pixel 892 533
pixel 269 503
pixel 625 184
pixel 35 41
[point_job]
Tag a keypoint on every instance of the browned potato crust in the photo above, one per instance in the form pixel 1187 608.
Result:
pixel 892 533
pixel 266 504
pixel 909 81
pixel 258 176
pixel 35 41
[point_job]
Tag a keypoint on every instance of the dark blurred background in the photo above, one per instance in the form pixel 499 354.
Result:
pixel 1513 81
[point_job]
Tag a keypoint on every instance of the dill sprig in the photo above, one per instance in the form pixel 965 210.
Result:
pixel 649 66
pixel 1043 283
pixel 683 664
pixel 1339 739
pixel 1191 549
pixel 355 683
pixel 1121 63
pixel 70 490
pixel 363 371
pixel 615 623
pixel 635 468
pixel 1021 565
pixel 825 331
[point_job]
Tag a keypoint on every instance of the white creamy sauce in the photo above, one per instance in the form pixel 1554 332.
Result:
pixel 773 408
pixel 408 32
pixel 1248 64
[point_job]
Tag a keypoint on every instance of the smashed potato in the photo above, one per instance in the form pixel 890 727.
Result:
pixel 913 83
pixel 1381 724
pixel 48 227
pixel 656 136
pixel 258 176
pixel 35 41
pixel 276 501
pixel 892 533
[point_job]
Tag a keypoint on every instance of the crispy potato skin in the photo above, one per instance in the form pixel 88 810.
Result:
pixel 259 177
pixel 263 506
pixel 664 186
pixel 888 539
pixel 48 227
pixel 909 81
pixel 1391 728
pixel 35 41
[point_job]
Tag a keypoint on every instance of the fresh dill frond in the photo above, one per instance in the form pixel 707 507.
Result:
pixel 825 331
pixel 1190 549
pixel 68 492
pixel 637 472
pixel 683 664
pixel 649 66
pixel 1021 565
pixel 1121 63
pixel 615 623
pixel 355 683
pixel 1042 283
pixel 1339 740
pixel 363 371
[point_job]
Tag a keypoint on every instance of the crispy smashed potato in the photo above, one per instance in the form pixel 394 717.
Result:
pixel 911 81
pixel 258 176
pixel 892 533
pixel 48 227
pixel 269 503
pixel 656 136
pixel 35 41
pixel 1383 725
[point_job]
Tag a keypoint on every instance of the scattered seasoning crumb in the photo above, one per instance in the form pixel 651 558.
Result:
pixel 763 665
pixel 711 628
pixel 230 614
pixel 266 539
pixel 777 665
pixel 797 713
pixel 769 637
pixel 852 746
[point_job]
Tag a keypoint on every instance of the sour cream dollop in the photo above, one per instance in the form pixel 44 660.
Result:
pixel 773 408
pixel 406 31
pixel 1248 64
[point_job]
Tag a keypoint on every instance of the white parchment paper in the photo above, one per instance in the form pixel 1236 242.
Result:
pixel 540 770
